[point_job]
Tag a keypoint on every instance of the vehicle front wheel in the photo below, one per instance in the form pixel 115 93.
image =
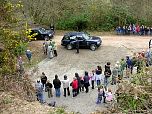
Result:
pixel 93 47
pixel 69 47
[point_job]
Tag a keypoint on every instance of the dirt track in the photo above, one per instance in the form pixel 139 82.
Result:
pixel 68 62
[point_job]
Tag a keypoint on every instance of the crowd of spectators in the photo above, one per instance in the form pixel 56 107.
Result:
pixel 133 29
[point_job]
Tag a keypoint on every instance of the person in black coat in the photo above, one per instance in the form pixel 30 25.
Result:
pixel 107 74
pixel 49 89
pixel 77 46
pixel 57 86
pixel 86 82
pixel 43 79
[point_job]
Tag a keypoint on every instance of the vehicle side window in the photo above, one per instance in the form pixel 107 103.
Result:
pixel 80 38
pixel 31 32
pixel 35 31
pixel 66 38
pixel 72 37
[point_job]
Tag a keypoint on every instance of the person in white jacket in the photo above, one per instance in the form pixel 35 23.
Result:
pixel 92 77
pixel 66 84
pixel 50 52
pixel 99 78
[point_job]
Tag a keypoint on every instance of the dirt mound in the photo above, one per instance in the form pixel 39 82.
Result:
pixel 12 105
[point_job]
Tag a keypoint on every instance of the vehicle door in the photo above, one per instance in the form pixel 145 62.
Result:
pixel 82 41
pixel 65 40
pixel 39 35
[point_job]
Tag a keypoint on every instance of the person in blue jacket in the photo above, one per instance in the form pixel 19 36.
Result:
pixel 29 55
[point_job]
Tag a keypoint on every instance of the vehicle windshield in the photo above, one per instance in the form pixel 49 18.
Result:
pixel 42 30
pixel 86 36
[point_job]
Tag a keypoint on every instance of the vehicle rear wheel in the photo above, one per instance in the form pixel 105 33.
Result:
pixel 93 47
pixel 69 47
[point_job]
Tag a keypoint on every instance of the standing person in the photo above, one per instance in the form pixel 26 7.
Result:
pixel 100 94
pixel 45 47
pixel 133 29
pixel 49 89
pixel 77 46
pixel 52 27
pixel 29 55
pixel 107 74
pixel 50 51
pixel 39 91
pixel 98 78
pixel 54 48
pixel 92 77
pixel 99 70
pixel 122 66
pixel 74 86
pixel 86 82
pixel 148 57
pixel 79 82
pixel 43 79
pixel 138 29
pixel 109 96
pixel 114 74
pixel 57 86
pixel 82 83
pixel 66 84
pixel 20 64
pixel 119 70
pixel 128 66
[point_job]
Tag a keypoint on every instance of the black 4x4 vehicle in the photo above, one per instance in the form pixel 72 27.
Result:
pixel 85 40
pixel 41 33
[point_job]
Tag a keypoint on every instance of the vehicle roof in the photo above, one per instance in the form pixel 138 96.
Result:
pixel 36 28
pixel 74 33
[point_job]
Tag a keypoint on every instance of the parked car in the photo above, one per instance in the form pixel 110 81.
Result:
pixel 150 43
pixel 41 33
pixel 85 40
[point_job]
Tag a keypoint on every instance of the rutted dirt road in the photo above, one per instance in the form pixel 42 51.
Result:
pixel 68 62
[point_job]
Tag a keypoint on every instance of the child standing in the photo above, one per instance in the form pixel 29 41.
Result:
pixel 100 94
pixel 92 76
pixel 109 96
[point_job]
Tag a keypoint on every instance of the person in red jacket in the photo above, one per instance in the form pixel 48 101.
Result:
pixel 74 86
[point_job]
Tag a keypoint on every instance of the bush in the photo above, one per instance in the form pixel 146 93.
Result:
pixel 20 49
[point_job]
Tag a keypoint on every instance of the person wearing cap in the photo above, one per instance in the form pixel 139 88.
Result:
pixel 66 84
pixel 29 55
